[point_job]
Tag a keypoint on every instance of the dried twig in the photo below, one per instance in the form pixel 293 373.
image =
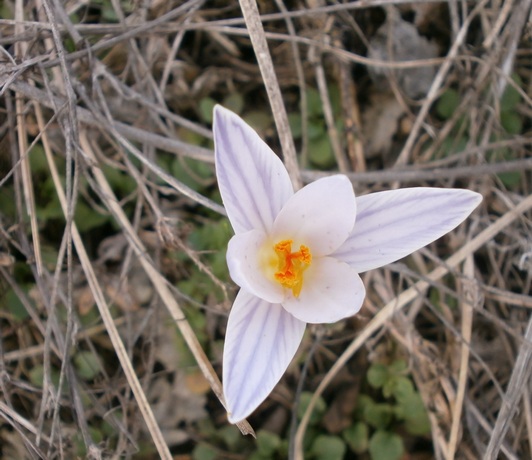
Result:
pixel 258 39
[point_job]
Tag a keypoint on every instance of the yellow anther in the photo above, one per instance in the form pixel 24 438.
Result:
pixel 291 265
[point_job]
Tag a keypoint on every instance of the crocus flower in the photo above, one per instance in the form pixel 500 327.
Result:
pixel 297 255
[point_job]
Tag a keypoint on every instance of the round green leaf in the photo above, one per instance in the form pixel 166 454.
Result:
pixel 319 408
pixel 448 103
pixel 234 102
pixel 205 106
pixel 36 375
pixel 327 447
pixel 377 375
pixel 314 105
pixel 403 388
pixel 204 452
pixel 511 97
pixel 87 218
pixel 230 434
pixel 356 437
pixel 398 367
pixel 15 306
pixel 87 364
pixel 510 179
pixel 294 120
pixel 267 443
pixel 320 152
pixel 512 122
pixel 260 121
pixel 378 415
pixel 384 445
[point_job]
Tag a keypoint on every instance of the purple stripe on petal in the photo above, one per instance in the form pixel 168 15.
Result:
pixel 261 341
pixel 253 181
pixel 391 225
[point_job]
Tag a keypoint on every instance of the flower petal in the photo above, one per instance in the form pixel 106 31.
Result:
pixel 321 215
pixel 393 224
pixel 246 268
pixel 260 342
pixel 253 181
pixel 332 290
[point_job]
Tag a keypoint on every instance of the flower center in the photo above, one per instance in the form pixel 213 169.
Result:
pixel 291 265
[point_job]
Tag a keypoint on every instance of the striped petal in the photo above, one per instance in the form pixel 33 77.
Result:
pixel 247 267
pixel 253 181
pixel 261 340
pixel 331 291
pixel 321 215
pixel 391 225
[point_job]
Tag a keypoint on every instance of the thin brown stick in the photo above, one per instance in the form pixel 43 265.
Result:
pixel 251 15
pixel 470 297
pixel 415 174
pixel 520 375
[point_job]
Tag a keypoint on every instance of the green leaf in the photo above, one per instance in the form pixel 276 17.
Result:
pixel 316 129
pixel 203 451
pixel 294 120
pixel 377 375
pixel 398 367
pixel 190 137
pixel 363 402
pixel 356 437
pixel 258 456
pixel 87 219
pixel 260 121
pixel 267 443
pixel 213 235
pixel 320 152
pixel 234 102
pixel 384 445
pixel 327 447
pixel 51 208
pixel 448 103
pixel 512 122
pixel 230 435
pixel 401 388
pixel 451 146
pixel 36 375
pixel 5 11
pixel 87 364
pixel 378 415
pixel 15 305
pixel 319 408
pixel 510 179
pixel 119 181
pixel 38 161
pixel 412 411
pixel 335 97
pixel 8 202
pixel 314 105
pixel 193 173
pixel 205 106
pixel 511 97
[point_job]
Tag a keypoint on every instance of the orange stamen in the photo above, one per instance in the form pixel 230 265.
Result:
pixel 291 265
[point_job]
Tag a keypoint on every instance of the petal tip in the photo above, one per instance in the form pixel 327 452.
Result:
pixel 477 198
pixel 234 420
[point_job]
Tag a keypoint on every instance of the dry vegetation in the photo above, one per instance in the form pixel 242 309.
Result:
pixel 113 287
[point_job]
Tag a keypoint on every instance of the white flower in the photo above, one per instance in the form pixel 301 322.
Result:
pixel 297 256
